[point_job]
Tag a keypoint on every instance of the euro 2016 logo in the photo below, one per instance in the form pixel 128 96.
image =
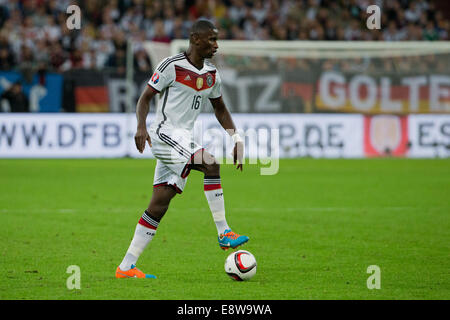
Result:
pixel 155 78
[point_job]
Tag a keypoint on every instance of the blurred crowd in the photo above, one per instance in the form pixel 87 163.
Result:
pixel 34 34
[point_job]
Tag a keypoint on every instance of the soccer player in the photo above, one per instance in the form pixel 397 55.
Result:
pixel 185 82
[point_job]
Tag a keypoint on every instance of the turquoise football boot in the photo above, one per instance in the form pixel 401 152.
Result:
pixel 228 239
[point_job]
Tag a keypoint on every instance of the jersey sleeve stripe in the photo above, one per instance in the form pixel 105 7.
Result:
pixel 166 65
pixel 162 111
pixel 169 61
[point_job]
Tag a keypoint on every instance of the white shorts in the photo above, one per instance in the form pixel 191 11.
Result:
pixel 174 150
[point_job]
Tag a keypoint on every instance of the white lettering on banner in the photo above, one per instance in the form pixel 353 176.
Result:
pixel 354 87
pixel 263 86
pixel 414 84
pixel 333 93
pixel 242 85
pixel 429 136
pixel 227 75
pixel 118 95
pixel 437 91
pixel 387 104
pixel 271 85
pixel 333 98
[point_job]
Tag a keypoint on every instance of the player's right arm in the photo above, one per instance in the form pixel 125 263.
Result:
pixel 142 109
pixel 163 76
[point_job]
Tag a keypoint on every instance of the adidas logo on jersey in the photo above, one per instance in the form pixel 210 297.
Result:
pixel 187 78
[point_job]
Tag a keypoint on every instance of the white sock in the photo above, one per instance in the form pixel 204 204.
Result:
pixel 214 195
pixel 144 233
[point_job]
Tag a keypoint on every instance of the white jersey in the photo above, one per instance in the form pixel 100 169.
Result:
pixel 184 90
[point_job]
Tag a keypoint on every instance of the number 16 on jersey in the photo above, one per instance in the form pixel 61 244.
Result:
pixel 196 102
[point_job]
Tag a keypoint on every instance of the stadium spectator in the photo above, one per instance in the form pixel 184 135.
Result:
pixel 15 98
pixel 118 61
pixel 141 61
pixel 160 34
pixel 6 54
pixel 57 56
pixel 40 25
pixel 430 32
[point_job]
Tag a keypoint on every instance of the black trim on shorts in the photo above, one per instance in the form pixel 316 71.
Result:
pixel 187 168
pixel 181 150
pixel 173 186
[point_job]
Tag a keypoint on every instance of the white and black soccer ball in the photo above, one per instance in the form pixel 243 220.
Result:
pixel 240 265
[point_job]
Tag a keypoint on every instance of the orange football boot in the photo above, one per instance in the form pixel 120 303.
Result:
pixel 132 273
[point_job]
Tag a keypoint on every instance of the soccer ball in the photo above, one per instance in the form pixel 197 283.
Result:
pixel 240 265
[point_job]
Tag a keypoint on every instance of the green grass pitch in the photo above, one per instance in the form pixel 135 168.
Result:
pixel 314 229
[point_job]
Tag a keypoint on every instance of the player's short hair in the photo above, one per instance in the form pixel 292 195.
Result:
pixel 202 26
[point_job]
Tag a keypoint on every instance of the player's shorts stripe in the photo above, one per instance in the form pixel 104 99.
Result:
pixel 175 145
pixel 168 62
pixel 180 151
pixel 172 142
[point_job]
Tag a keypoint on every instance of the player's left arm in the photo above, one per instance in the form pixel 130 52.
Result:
pixel 223 115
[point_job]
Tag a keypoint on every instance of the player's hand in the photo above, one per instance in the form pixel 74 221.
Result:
pixel 238 154
pixel 140 137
